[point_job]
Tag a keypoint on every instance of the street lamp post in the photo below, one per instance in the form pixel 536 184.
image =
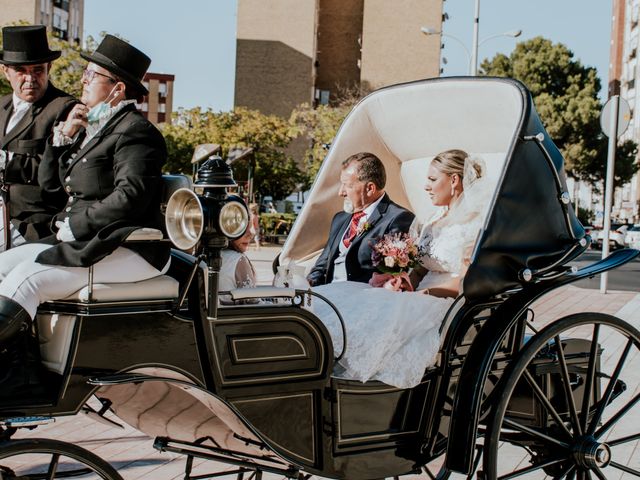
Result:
pixel 472 57
pixel 474 49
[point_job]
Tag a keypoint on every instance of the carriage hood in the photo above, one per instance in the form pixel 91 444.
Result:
pixel 527 224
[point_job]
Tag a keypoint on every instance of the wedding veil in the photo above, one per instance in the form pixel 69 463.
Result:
pixel 472 203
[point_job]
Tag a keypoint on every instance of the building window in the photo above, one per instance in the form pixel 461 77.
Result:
pixel 324 97
pixel 162 107
pixel 63 4
pixel 162 90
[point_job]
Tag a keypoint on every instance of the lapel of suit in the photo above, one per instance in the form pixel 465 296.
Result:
pixel 106 130
pixel 337 237
pixel 374 218
pixel 380 210
pixel 5 112
pixel 19 127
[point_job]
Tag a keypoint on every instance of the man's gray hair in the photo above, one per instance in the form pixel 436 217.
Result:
pixel 369 168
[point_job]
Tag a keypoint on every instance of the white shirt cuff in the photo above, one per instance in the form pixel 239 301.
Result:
pixel 59 138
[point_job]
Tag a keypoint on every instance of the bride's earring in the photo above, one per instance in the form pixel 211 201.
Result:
pixel 453 190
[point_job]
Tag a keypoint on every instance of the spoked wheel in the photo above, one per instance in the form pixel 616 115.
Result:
pixel 35 459
pixel 568 407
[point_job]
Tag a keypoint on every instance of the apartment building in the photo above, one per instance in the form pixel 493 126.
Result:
pixel 158 105
pixel 623 72
pixel 316 51
pixel 65 18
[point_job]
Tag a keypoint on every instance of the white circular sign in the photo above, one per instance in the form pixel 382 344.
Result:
pixel 624 117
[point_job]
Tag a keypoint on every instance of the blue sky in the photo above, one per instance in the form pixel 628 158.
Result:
pixel 195 39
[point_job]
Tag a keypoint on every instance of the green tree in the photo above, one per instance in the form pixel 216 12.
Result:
pixel 318 125
pixel 66 71
pixel 565 93
pixel 274 172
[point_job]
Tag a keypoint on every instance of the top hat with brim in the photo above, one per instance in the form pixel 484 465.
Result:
pixel 26 45
pixel 123 60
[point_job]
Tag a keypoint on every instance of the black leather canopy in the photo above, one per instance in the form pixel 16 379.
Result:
pixel 529 226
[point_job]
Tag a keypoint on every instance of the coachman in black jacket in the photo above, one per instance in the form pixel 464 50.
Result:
pixel 26 60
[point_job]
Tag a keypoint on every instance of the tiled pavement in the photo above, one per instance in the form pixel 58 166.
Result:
pixel 132 454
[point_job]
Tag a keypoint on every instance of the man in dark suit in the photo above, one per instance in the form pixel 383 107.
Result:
pixel 372 214
pixel 26 120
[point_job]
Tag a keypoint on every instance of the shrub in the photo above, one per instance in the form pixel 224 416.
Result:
pixel 276 223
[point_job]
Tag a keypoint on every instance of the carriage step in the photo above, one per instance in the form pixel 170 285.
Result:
pixel 24 422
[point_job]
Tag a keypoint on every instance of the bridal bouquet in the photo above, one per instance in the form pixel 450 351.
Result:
pixel 394 255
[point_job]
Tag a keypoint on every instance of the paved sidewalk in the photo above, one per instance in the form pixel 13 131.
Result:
pixel 132 454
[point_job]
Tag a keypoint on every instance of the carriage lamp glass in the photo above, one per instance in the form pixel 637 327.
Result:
pixel 233 219
pixel 192 220
pixel 184 219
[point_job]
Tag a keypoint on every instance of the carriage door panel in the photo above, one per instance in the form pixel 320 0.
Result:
pixel 375 413
pixel 255 345
pixel 287 421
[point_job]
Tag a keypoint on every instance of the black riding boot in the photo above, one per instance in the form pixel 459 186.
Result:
pixel 21 372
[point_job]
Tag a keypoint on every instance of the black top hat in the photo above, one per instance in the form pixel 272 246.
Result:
pixel 121 59
pixel 26 45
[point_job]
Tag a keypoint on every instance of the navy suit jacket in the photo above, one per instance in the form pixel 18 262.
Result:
pixel 388 217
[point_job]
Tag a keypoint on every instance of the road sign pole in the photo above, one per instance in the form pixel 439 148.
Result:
pixel 608 194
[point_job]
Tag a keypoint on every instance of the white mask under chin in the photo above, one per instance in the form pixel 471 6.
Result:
pixel 347 205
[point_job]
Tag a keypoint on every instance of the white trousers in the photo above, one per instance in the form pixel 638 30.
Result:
pixel 16 238
pixel 30 283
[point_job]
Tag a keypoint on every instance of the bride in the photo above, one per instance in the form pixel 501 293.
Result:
pixel 394 336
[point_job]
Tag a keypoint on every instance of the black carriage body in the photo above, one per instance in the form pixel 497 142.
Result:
pixel 271 365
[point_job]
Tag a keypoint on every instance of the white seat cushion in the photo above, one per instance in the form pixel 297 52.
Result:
pixel 55 332
pixel 155 288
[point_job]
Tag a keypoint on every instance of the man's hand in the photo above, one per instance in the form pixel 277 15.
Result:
pixel 64 231
pixel 76 120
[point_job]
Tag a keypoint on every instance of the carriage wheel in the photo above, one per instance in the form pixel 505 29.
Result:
pixel 569 408
pixel 35 459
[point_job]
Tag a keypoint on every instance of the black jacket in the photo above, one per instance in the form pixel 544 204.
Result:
pixel 387 218
pixel 113 186
pixel 30 213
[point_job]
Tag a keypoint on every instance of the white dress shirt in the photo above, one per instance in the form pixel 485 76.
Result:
pixel 20 108
pixel 339 266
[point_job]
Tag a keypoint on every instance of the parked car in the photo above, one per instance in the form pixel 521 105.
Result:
pixel 632 238
pixel 616 236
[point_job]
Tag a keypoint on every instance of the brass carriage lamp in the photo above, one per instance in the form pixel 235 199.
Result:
pixel 212 218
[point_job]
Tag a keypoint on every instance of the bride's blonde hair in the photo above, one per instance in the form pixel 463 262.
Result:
pixel 453 161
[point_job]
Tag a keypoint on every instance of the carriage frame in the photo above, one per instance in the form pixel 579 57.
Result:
pixel 260 367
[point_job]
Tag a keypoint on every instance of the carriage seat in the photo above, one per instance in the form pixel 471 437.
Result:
pixel 155 288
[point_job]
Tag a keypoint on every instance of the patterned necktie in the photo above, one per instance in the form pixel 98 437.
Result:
pixel 353 228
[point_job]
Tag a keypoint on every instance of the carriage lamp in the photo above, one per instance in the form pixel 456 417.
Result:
pixel 212 216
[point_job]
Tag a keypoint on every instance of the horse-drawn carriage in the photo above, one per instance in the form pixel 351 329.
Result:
pixel 251 384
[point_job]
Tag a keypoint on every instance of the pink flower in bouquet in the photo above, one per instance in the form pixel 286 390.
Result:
pixel 394 255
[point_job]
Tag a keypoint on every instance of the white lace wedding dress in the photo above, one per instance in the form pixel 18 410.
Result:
pixel 394 336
